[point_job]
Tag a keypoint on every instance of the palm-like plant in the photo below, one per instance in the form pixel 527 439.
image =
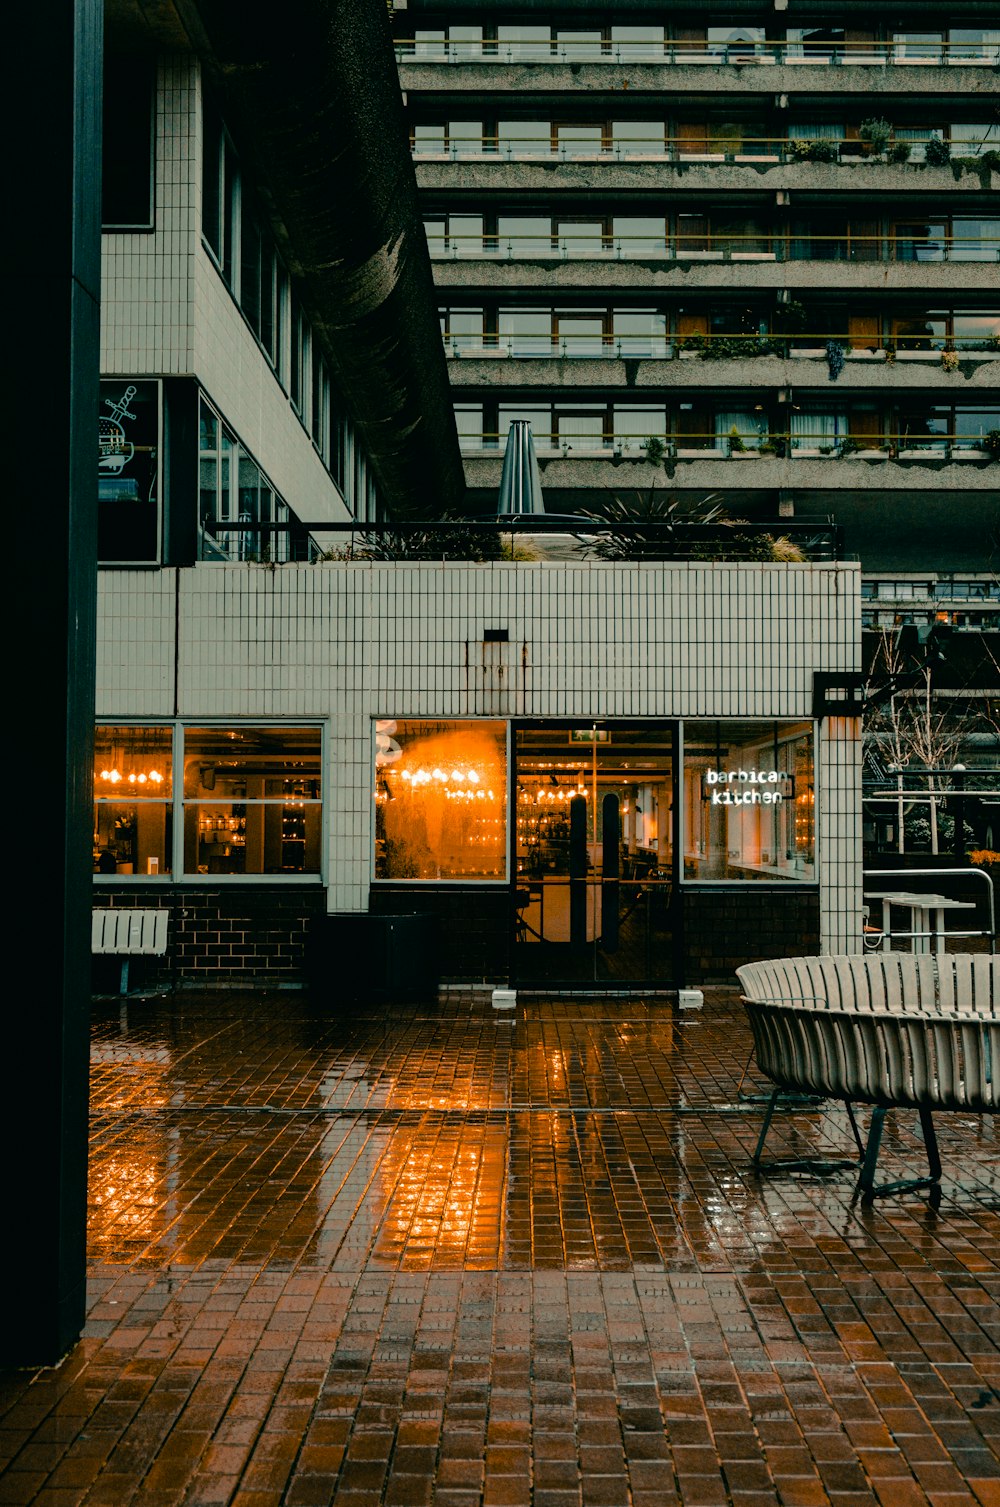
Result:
pixel 665 528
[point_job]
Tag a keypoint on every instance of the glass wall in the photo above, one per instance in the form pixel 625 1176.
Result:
pixel 440 800
pixel 749 801
pixel 251 801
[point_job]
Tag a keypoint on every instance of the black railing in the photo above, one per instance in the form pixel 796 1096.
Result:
pixel 472 539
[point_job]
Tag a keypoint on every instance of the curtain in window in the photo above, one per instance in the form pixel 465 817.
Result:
pixel 750 427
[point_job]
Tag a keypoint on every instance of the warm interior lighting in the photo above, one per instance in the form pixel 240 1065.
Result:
pixel 437 804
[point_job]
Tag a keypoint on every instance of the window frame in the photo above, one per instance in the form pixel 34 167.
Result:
pixel 178 804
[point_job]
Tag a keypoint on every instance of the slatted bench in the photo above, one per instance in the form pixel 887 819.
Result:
pixel 887 1029
pixel 128 934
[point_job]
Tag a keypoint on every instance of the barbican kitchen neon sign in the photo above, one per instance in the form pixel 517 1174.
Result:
pixel 746 787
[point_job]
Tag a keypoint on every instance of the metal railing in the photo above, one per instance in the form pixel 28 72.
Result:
pixel 710 346
pixel 735 53
pixel 550 146
pixel 472 539
pixel 763 247
pixel 699 445
pixel 901 876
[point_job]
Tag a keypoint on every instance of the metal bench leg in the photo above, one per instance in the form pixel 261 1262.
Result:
pixel 867 1179
pixel 854 1127
pixel 768 1116
pixel 123 985
pixel 866 1183
pixel 930 1141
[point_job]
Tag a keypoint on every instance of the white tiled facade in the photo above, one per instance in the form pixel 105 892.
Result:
pixel 166 311
pixel 347 642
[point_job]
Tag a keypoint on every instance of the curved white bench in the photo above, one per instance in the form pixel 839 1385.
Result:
pixel 886 1029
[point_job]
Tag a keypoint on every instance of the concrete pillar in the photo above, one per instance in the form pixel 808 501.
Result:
pixel 52 255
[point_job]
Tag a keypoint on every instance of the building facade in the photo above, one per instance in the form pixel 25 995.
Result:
pixel 579 772
pixel 764 236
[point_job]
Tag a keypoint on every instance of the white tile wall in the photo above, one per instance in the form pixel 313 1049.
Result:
pixel 165 310
pixel 349 642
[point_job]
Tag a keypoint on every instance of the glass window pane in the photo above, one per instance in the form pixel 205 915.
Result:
pixel 524 234
pixel 638 236
pixel 132 790
pixel 526 332
pixel 638 138
pixel 524 138
pixel 748 801
pixel 440 800
pixel 252 800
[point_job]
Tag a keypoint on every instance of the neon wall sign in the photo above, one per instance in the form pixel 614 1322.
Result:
pixel 746 787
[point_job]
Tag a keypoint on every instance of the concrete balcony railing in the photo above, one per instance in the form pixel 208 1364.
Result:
pixel 907 53
pixel 565 362
pixel 879 76
pixel 651 272
pixel 951 467
pixel 711 173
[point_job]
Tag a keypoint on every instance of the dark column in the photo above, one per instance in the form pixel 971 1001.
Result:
pixel 52 103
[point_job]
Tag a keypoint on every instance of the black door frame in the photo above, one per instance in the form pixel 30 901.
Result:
pixel 676 908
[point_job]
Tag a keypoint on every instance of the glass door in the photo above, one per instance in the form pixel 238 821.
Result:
pixel 594 884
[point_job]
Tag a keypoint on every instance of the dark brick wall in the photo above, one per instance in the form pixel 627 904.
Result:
pixel 219 936
pixel 474 926
pixel 724 928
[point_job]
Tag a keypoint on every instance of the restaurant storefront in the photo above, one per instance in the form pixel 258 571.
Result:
pixel 599 777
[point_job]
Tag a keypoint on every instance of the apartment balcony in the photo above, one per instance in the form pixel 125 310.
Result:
pixel 627 364
pixel 950 467
pixel 620 269
pixel 771 168
pixel 878 72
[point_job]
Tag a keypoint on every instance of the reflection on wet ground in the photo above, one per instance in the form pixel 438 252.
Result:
pixel 448 1256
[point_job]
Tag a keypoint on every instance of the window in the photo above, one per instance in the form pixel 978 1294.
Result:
pixel 749 798
pixel 233 489
pixel 133 795
pixel 440 800
pixel 252 800
pixel 127 164
pixel 128 509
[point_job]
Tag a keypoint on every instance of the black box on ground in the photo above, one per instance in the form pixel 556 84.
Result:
pixel 375 958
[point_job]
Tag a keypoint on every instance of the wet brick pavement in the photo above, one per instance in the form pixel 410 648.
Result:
pixel 484 1261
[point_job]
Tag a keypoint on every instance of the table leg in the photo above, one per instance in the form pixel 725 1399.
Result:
pixel 939 930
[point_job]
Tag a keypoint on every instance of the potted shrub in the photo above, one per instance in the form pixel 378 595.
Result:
pixel 937 153
pixel 875 133
pixel 991 444
pixel 899 152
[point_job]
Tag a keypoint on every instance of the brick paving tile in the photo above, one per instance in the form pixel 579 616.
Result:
pixel 423 1256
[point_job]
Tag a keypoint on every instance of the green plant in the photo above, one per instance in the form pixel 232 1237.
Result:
pixel 736 445
pixel 774 444
pixel 848 446
pixel 791 317
pixel 937 153
pixel 719 537
pixel 836 356
pixel 991 444
pixel 655 449
pixel 900 151
pixel 949 360
pixel 875 133
pixel 803 150
pixel 890 352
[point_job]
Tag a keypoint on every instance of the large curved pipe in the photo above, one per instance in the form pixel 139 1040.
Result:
pixel 313 90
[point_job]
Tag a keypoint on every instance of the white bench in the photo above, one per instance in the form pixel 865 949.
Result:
pixel 128 934
pixel 886 1029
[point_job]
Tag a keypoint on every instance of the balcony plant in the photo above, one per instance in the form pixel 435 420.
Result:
pixel 836 357
pixel 875 132
pixel 937 153
pixel 899 152
pixel 662 530
pixel 991 444
pixel 848 446
pixel 949 360
pixel 803 150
